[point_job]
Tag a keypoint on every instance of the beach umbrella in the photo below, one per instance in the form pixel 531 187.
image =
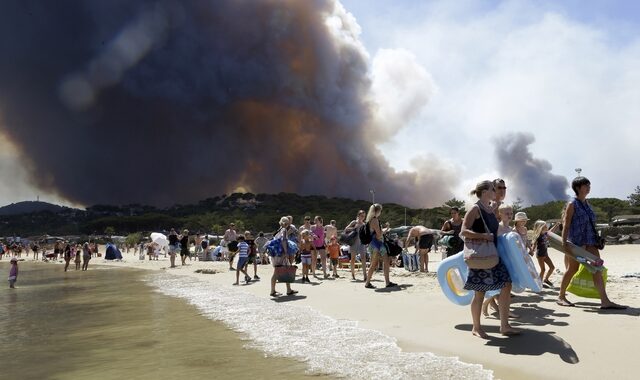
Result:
pixel 159 239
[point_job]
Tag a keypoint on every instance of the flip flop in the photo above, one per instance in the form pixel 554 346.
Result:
pixel 614 307
pixel 275 294
pixel 511 333
pixel 292 292
pixel 369 286
pixel 564 303
pixel 391 285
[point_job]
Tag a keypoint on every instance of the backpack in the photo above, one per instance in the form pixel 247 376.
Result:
pixel 365 234
pixel 204 244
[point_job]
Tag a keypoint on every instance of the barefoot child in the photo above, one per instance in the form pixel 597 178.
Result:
pixel 243 259
pixel 13 273
pixel 540 244
pixel 77 258
pixel 306 246
pixel 334 252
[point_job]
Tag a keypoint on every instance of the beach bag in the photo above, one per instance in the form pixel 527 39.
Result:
pixel 393 248
pixel 582 283
pixel 232 246
pixel 285 273
pixel 348 238
pixel 480 254
pixel 364 234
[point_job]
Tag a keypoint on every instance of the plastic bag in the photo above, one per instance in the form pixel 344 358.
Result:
pixel 582 283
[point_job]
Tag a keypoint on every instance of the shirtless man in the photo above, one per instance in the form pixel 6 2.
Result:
pixel 231 241
pixel 424 236
pixel 330 230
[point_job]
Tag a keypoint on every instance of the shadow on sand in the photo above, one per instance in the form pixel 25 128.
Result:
pixel 530 342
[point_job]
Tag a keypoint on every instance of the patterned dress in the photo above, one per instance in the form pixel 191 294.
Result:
pixel 581 230
pixel 482 280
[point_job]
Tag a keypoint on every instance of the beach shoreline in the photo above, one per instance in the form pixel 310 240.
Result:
pixel 557 342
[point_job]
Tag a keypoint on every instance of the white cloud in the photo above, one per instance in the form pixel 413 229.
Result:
pixel 519 68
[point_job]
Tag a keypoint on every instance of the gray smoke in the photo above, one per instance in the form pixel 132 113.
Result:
pixel 161 102
pixel 529 178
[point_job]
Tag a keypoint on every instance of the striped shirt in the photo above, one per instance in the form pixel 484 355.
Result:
pixel 243 249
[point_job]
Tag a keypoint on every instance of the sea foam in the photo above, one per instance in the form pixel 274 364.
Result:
pixel 328 346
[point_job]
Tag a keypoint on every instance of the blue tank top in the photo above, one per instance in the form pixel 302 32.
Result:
pixel 581 231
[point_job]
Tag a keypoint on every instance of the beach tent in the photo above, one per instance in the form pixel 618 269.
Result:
pixel 113 253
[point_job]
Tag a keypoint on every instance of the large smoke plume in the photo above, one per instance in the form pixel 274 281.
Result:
pixel 530 178
pixel 161 102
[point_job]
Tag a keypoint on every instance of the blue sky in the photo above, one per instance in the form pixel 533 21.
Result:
pixel 561 71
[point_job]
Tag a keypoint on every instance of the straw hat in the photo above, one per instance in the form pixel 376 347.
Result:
pixel 520 217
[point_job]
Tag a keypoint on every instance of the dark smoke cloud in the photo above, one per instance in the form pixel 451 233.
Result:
pixel 529 178
pixel 161 102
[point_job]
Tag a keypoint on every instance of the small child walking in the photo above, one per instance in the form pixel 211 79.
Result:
pixel 334 253
pixel 540 244
pixel 243 259
pixel 521 228
pixel 78 258
pixel 13 272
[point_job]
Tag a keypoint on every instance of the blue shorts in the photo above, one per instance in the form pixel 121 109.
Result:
pixel 306 260
pixel 242 261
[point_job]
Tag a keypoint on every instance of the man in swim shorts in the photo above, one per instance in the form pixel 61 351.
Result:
pixel 424 237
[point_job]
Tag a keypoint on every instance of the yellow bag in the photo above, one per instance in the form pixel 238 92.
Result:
pixel 582 283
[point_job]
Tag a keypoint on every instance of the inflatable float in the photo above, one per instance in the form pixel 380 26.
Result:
pixel 452 272
pixel 580 254
pixel 513 253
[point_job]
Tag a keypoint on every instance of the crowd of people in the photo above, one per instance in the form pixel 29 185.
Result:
pixel 364 244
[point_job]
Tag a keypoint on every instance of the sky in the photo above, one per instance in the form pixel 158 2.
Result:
pixel 471 90
pixel 566 72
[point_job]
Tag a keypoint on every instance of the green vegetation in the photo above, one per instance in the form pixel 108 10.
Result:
pixel 259 212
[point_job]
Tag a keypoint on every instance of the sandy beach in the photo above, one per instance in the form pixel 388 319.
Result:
pixel 557 342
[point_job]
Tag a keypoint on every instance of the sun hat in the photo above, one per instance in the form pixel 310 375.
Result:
pixel 13 259
pixel 520 217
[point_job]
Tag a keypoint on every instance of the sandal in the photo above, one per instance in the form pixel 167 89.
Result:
pixel 369 286
pixel 275 294
pixel 564 303
pixel 391 285
pixel 292 292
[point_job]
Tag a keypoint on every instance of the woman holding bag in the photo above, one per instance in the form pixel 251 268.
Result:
pixel 480 225
pixel 578 227
pixel 357 248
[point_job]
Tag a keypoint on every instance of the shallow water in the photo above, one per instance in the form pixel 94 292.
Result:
pixel 109 323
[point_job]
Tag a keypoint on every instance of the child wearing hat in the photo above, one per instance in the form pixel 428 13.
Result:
pixel 13 272
pixel 521 228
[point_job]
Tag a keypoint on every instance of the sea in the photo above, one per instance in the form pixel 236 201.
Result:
pixel 120 323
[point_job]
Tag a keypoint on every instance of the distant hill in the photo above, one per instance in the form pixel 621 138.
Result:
pixel 255 212
pixel 28 207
